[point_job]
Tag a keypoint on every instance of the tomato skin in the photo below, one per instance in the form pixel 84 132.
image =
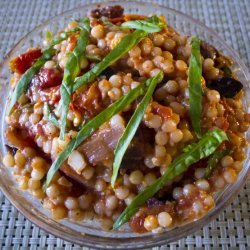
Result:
pixel 24 61
pixel 47 78
pixel 163 111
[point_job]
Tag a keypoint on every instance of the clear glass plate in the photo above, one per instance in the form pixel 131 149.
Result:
pixel 88 234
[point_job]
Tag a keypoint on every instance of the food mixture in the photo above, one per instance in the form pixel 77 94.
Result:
pixel 119 118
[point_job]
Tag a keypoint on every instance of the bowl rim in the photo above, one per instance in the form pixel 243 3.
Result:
pixel 188 228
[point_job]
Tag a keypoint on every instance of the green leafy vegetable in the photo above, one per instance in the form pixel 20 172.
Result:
pixel 132 126
pixel 127 43
pixel 26 78
pixel 85 23
pixel 91 126
pixel 195 90
pixel 151 25
pixel 202 149
pixel 71 70
pixel 214 159
pixel 93 57
pixel 62 36
pixel 50 115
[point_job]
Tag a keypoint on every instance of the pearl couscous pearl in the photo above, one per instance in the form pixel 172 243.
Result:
pixel 164 219
pixel 97 31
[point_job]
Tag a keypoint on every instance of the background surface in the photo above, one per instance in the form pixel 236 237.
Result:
pixel 231 19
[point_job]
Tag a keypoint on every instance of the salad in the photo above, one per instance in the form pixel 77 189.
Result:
pixel 118 118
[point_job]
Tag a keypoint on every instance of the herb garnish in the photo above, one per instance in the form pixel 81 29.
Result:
pixel 195 90
pixel 132 125
pixel 71 70
pixel 151 25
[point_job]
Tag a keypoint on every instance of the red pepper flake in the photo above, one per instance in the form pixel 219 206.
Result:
pixel 24 61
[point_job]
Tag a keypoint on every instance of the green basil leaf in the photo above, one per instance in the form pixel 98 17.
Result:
pixel 62 36
pixel 202 149
pixel 151 25
pixel 132 125
pixel 26 78
pixel 141 25
pixel 85 23
pixel 49 115
pixel 214 159
pixel 195 90
pixel 91 126
pixel 127 43
pixel 71 70
pixel 93 57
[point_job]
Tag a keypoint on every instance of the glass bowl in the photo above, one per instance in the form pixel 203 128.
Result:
pixel 88 234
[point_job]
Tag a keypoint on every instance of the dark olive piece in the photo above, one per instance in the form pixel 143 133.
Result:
pixel 10 149
pixel 208 51
pixel 226 86
pixel 109 11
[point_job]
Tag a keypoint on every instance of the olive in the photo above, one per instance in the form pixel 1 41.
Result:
pixel 10 149
pixel 108 72
pixel 208 51
pixel 227 87
pixel 109 11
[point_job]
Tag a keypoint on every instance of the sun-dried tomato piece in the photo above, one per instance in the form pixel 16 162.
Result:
pixel 89 100
pixel 47 78
pixel 50 95
pixel 24 61
pixel 163 111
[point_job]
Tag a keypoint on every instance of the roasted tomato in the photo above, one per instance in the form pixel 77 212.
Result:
pixel 89 100
pixel 23 62
pixel 47 78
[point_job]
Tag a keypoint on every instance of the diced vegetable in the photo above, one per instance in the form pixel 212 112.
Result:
pixel 77 161
pixel 195 89
pixel 202 149
pixel 132 125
